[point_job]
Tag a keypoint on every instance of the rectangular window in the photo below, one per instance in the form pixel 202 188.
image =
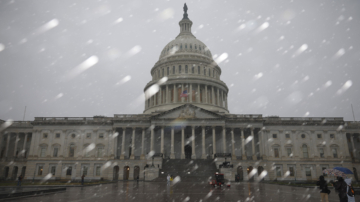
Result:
pixel 53 170
pixel 186 69
pixel 289 152
pixel 198 69
pixel 291 170
pixel 332 136
pixel 101 135
pixel 278 172
pixel 204 71
pixel 43 152
pixel 274 135
pixel 334 150
pixel 69 171
pixel 45 135
pixel 321 152
pixel 180 69
pixel 40 170
pixel 287 135
pixel 276 151
pixel 193 70
pixel 55 152
pixel 88 135
pixel 167 72
pixel 173 70
pixel 85 170
pixel 57 135
pixel 71 150
pixel 97 173
pixel 163 72
pixel 307 171
pixel 319 136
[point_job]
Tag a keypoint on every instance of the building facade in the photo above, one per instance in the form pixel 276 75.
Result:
pixel 186 116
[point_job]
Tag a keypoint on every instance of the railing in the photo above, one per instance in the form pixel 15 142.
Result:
pixel 254 116
pixel 225 155
pixel 158 155
pixel 96 118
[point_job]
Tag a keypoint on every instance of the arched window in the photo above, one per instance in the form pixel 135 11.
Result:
pixel 71 150
pixel 179 69
pixel 186 69
pixel 190 46
pixel 198 69
pixel 195 47
pixel 185 46
pixel 180 46
pixel 209 72
pixel 334 151
pixel 199 47
pixel 305 151
pixel 173 70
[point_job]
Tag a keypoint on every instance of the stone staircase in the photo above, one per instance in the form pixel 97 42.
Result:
pixel 189 170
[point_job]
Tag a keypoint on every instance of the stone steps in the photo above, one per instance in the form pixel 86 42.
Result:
pixel 198 170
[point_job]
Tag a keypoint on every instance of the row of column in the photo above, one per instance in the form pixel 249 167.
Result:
pixel 221 96
pixel 172 153
pixel 16 144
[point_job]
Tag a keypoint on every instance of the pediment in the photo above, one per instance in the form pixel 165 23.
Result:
pixel 188 111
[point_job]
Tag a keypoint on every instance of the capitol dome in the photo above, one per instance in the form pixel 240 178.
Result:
pixel 186 73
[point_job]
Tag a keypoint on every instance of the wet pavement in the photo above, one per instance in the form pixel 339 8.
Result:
pixel 184 191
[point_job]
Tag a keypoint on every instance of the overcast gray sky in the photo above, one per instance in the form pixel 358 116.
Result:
pixel 288 58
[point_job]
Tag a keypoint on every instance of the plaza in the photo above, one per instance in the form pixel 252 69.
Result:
pixel 184 191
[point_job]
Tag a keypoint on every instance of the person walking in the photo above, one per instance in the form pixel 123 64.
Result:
pixel 341 187
pixel 168 179
pixel 351 197
pixel 324 191
pixel 171 179
pixel 19 181
pixel 82 180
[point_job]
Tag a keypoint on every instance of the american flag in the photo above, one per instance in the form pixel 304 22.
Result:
pixel 184 94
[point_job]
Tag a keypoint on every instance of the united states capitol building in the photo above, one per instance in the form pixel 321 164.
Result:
pixel 186 116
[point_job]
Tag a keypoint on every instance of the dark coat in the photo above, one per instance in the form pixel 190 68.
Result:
pixel 341 187
pixel 322 185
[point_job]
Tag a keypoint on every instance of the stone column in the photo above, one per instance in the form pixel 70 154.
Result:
pixel 172 154
pixel 243 144
pixel 167 94
pixel 51 137
pixel 132 156
pixel 152 139
pixel 353 146
pixel 253 144
pixel 123 144
pixel 224 139
pixel 175 93
pixel 162 141
pixel 214 141
pixel 142 156
pixel 182 90
pixel 212 95
pixel 24 145
pixel 16 143
pixel 182 144
pixel 203 143
pixel 198 93
pixel 218 97
pixel 7 145
pixel 193 156
pixel 191 93
pixel 160 95
pixel 206 94
pixel 232 145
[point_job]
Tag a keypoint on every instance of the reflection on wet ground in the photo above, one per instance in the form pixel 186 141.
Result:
pixel 185 191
